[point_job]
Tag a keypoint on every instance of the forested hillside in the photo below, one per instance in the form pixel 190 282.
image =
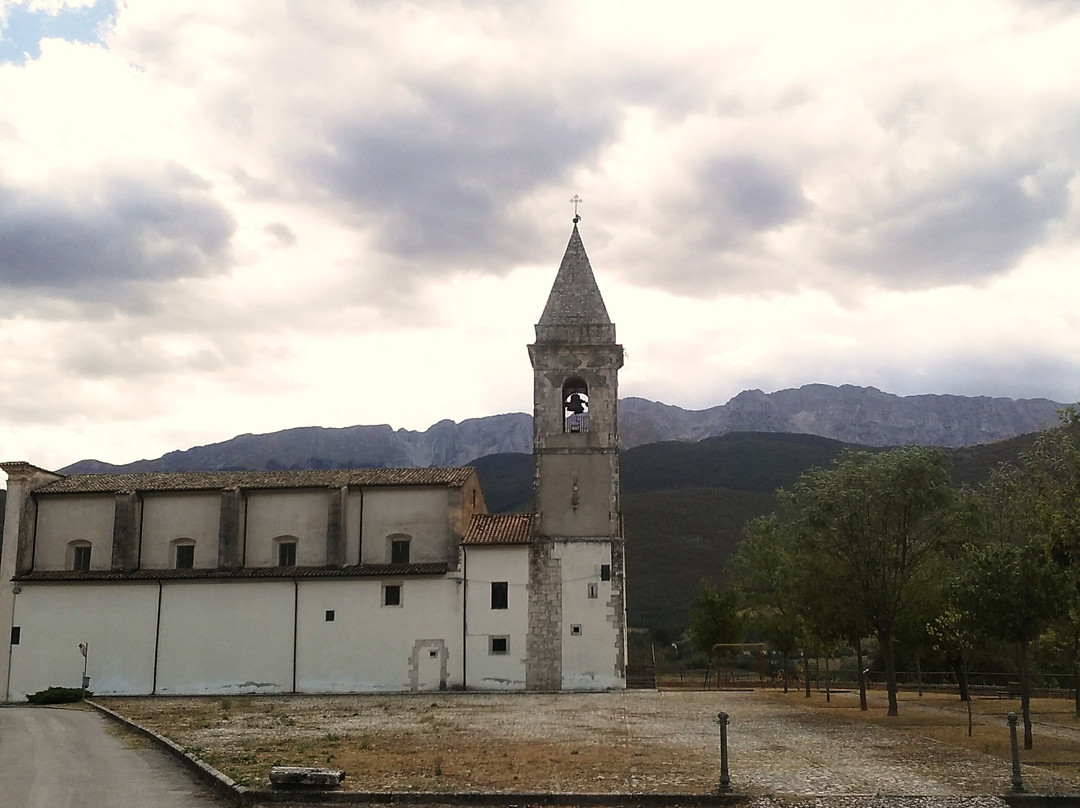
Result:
pixel 685 504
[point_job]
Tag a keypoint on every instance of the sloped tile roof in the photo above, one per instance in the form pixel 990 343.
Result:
pixel 244 573
pixel 499 528
pixel 221 480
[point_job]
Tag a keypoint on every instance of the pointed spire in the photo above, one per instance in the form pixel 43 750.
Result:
pixel 575 310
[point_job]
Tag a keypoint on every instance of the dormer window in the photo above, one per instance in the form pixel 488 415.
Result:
pixel 286 551
pixel 575 398
pixel 184 554
pixel 399 549
pixel 79 555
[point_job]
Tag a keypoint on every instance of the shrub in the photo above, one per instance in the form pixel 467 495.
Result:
pixel 58 695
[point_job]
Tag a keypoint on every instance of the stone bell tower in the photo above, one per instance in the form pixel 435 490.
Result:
pixel 577 608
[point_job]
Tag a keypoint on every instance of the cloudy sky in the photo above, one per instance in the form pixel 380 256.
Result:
pixel 243 216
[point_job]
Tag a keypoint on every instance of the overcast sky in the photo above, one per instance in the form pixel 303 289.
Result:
pixel 243 216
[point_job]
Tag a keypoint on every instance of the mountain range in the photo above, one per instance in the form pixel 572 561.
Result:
pixel 850 414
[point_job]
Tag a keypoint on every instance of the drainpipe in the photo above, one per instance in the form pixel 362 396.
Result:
pixel 157 639
pixel 15 590
pixel 464 619
pixel 295 624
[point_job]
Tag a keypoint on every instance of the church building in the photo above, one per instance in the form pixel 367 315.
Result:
pixel 344 581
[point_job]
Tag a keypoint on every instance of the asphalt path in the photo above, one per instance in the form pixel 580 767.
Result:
pixel 74 758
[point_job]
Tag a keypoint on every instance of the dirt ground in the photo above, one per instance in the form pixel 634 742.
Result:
pixel 632 742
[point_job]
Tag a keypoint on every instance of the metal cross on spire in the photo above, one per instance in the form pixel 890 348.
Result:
pixel 576 200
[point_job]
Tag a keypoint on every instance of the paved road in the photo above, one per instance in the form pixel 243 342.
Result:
pixel 73 758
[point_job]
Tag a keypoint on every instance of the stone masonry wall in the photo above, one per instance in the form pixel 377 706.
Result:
pixel 543 644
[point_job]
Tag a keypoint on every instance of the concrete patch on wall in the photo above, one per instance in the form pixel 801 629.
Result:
pixel 427 665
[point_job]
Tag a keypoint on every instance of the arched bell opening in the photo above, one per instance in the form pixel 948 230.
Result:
pixel 575 399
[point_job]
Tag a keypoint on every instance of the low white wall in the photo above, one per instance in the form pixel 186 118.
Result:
pixel 218 637
pixel 117 621
pixel 370 647
pixel 232 637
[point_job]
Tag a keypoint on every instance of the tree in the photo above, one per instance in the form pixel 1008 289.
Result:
pixel 874 519
pixel 953 632
pixel 1010 584
pixel 1052 469
pixel 770 581
pixel 714 620
pixel 1012 590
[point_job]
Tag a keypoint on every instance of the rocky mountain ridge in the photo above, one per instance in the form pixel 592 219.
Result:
pixel 863 415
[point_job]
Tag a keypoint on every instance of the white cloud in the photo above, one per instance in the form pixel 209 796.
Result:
pixel 230 217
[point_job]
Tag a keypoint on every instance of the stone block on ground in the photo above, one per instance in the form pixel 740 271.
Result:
pixel 305 777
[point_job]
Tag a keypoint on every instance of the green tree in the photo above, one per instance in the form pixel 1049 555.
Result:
pixel 771 584
pixel 873 520
pixel 714 619
pixel 1012 590
pixel 1052 470
pixel 1010 584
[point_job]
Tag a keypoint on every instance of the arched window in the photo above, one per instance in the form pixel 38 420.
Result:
pixel 286 550
pixel 183 554
pixel 399 547
pixel 78 555
pixel 575 400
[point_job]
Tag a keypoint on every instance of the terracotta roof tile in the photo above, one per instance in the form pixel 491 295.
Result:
pixel 499 528
pixel 220 480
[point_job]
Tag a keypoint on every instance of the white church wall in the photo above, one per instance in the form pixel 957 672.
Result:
pixel 419 513
pixel 370 647
pixel 54 618
pixel 226 637
pixel 61 520
pixel 589 634
pixel 300 513
pixel 485 565
pixel 170 516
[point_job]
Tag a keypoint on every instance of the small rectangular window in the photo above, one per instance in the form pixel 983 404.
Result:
pixel 185 556
pixel 391 595
pixel 575 630
pixel 500 595
pixel 81 558
pixel 16 634
pixel 592 590
pixel 329 615
pixel 286 554
pixel 605 572
pixel 498 645
pixel 399 551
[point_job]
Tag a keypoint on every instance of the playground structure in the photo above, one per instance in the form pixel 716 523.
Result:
pixel 724 674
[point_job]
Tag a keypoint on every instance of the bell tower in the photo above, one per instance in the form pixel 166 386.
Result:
pixel 577 611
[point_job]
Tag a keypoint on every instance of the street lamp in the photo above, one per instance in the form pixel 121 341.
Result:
pixel 83 649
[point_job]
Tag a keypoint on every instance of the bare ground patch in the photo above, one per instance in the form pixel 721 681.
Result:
pixel 634 742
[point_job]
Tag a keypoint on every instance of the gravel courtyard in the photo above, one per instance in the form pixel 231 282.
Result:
pixel 632 742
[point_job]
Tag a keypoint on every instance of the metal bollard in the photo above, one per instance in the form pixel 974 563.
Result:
pixel 725 781
pixel 1017 780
